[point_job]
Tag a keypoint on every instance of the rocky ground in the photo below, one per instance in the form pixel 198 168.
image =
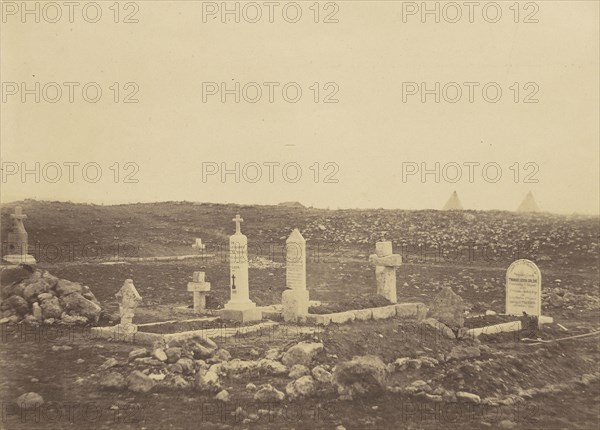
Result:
pixel 383 374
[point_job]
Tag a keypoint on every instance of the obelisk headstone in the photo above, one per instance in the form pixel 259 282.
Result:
pixel 295 299
pixel 385 270
pixel 523 289
pixel 17 240
pixel 239 307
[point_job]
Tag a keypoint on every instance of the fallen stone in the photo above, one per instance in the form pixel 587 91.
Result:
pixel 138 353
pixel 76 304
pixel 468 397
pixel 360 376
pixel 113 380
pixel 298 370
pixel 302 353
pixel 138 382
pixel 159 354
pixel 268 393
pixel 301 388
pixel 448 308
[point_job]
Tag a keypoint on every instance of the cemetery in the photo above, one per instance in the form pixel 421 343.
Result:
pixel 361 319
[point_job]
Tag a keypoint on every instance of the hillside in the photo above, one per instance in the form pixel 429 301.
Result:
pixel 61 232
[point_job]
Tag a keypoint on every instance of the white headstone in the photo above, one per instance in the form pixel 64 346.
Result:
pixel 238 270
pixel 523 288
pixel 294 300
pixel 199 288
pixel 129 299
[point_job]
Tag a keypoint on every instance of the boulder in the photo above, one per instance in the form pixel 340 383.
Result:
pixel 208 382
pixel 448 308
pixel 173 354
pixel 64 287
pixel 361 376
pixel 467 397
pixel 268 393
pixel 16 303
pixel 320 374
pixel 187 365
pixel 159 354
pixel 29 400
pixel 298 370
pixel 272 367
pixel 31 291
pixel 76 304
pixel 138 353
pixel 302 353
pixel 113 380
pixel 138 382
pixel 222 396
pixel 300 388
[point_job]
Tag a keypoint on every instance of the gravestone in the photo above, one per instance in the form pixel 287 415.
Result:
pixel 448 308
pixel 129 299
pixel 523 289
pixel 199 288
pixel 295 298
pixel 385 270
pixel 17 240
pixel 199 245
pixel 239 307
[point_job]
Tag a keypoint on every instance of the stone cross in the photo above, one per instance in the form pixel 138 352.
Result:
pixel 129 299
pixel 237 221
pixel 199 288
pixel 199 245
pixel 17 240
pixel 385 270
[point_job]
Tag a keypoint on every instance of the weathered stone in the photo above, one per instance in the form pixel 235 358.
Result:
pixel 36 311
pixel 360 376
pixel 273 354
pixel 138 353
pixel 112 380
pixel 18 304
pixel 302 353
pixel 342 317
pixel 448 308
pixel 363 314
pixel 64 287
pixel 294 305
pixel 138 382
pixel 222 396
pixel 111 362
pixel 186 364
pixel 300 388
pixel 29 400
pixel 384 312
pixel 76 304
pixel 468 397
pixel 320 374
pixel 208 382
pixel 272 367
pixel 173 354
pixel 159 354
pixel 298 370
pixel 268 393
pixel 129 300
pixel 31 291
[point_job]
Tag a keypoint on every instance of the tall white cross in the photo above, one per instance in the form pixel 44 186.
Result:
pixel 237 221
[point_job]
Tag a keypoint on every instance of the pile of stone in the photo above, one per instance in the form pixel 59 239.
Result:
pixel 44 298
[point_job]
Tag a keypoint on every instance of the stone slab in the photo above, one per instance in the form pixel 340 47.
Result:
pixel 18 259
pixel 415 310
pixel 384 312
pixel 294 305
pixel 363 314
pixel 342 317
pixel 241 315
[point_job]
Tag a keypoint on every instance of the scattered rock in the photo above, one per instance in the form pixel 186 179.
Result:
pixel 300 388
pixel 360 376
pixel 268 393
pixel 173 354
pixel 222 396
pixel 138 353
pixel 272 367
pixel 208 382
pixel 112 380
pixel 138 382
pixel 463 352
pixel 29 400
pixel 250 386
pixel 320 374
pixel 468 397
pixel 111 362
pixel 61 348
pixel 159 354
pixel 302 353
pixel 298 370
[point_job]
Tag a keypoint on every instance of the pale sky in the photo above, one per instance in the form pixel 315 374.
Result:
pixel 368 138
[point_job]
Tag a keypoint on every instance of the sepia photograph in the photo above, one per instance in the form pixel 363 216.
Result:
pixel 299 215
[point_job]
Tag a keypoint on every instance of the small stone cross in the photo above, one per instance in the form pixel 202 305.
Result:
pixel 385 270
pixel 199 245
pixel 18 215
pixel 200 289
pixel 237 221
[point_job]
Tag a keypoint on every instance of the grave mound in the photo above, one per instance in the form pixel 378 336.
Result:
pixel 355 303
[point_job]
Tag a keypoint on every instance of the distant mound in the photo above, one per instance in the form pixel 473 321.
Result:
pixel 291 205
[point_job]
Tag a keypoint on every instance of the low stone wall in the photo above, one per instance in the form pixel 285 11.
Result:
pixel 415 310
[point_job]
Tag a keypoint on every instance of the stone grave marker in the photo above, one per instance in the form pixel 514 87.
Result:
pixel 129 299
pixel 295 298
pixel 523 289
pixel 200 288
pixel 17 240
pixel 385 270
pixel 239 307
